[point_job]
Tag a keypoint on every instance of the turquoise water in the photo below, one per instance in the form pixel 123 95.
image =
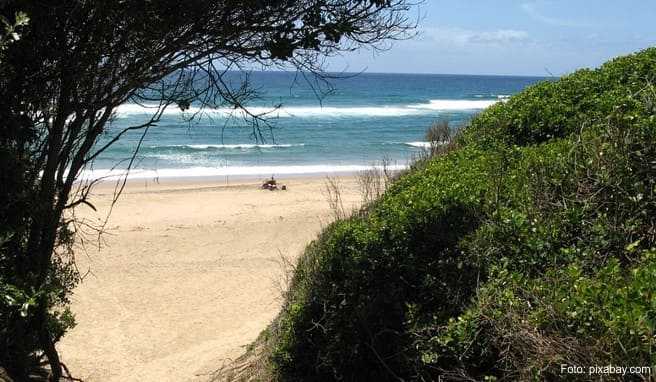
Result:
pixel 366 118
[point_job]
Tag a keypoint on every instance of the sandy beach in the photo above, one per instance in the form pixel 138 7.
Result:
pixel 188 274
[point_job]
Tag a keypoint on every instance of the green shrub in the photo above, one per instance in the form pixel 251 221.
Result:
pixel 526 328
pixel 524 247
pixel 557 109
pixel 357 285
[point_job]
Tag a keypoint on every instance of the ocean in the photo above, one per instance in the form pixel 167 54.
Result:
pixel 366 117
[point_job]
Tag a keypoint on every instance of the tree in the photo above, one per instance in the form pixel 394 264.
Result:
pixel 61 82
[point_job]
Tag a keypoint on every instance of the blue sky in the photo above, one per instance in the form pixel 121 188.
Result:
pixel 514 37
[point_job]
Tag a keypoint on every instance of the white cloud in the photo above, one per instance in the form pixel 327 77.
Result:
pixel 462 37
pixel 501 36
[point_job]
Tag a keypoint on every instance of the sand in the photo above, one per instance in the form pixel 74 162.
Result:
pixel 189 274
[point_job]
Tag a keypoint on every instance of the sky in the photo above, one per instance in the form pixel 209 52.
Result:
pixel 513 37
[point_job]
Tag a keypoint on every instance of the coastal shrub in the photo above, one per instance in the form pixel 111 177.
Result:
pixel 582 221
pixel 557 109
pixel 356 285
pixel 526 328
pixel 583 199
pixel 439 137
pixel 527 246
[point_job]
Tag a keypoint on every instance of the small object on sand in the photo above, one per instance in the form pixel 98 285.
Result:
pixel 270 184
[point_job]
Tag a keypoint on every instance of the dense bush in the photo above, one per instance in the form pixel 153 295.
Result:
pixel 557 109
pixel 527 246
pixel 350 296
pixel 567 277
pixel 526 328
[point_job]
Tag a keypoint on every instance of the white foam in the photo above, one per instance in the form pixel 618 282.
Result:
pixel 127 110
pixel 259 171
pixel 243 146
pixel 455 104
pixel 423 145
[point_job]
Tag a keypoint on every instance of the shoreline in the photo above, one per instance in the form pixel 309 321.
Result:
pixel 200 174
pixel 210 181
pixel 145 185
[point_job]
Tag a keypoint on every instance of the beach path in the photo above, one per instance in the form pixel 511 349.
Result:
pixel 188 275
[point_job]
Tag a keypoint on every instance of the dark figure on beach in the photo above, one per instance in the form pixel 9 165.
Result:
pixel 272 185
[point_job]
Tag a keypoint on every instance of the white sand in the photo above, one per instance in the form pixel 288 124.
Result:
pixel 188 275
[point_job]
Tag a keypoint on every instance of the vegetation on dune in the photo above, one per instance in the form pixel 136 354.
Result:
pixel 527 245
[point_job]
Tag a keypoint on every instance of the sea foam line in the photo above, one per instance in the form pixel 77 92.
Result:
pixel 127 110
pixel 197 172
pixel 230 146
pixel 422 145
pixel 455 104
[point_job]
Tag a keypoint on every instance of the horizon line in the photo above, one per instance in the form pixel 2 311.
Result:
pixel 404 73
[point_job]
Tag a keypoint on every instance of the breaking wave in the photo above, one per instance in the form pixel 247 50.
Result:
pixel 128 110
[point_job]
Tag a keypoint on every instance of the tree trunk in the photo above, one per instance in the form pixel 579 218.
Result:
pixel 48 344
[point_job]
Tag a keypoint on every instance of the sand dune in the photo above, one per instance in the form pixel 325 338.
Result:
pixel 188 275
